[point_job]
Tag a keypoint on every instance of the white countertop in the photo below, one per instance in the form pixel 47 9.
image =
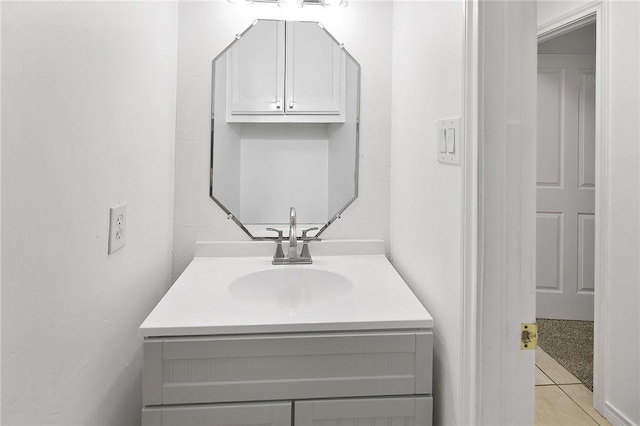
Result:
pixel 200 302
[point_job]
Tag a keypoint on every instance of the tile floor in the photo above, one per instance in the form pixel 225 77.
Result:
pixel 561 400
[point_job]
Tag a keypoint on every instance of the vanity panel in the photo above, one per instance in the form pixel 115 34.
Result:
pixel 259 367
pixel 407 411
pixel 262 414
pixel 424 353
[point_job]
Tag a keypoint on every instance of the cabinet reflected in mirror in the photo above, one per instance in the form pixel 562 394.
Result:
pixel 284 127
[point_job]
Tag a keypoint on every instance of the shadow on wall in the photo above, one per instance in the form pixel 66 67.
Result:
pixel 127 402
pixel 439 365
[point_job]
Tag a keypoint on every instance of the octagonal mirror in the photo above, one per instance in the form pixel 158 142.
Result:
pixel 284 127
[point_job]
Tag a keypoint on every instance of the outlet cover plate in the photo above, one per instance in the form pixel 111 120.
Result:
pixel 117 227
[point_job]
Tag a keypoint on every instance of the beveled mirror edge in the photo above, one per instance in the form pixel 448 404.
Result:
pixel 356 178
pixel 357 122
pixel 212 116
pixel 357 168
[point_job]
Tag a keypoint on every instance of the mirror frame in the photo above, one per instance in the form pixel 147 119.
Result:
pixel 335 217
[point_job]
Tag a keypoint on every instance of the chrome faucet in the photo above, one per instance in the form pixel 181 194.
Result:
pixel 292 253
pixel 292 257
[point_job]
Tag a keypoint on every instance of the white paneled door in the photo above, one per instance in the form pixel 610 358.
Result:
pixel 565 221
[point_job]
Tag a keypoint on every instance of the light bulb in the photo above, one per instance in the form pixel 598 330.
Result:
pixel 290 3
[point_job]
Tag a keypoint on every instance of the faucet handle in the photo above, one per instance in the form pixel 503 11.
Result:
pixel 279 231
pixel 279 254
pixel 304 233
pixel 305 254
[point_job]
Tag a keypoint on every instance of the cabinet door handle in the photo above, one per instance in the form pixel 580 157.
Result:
pixel 278 104
pixel 292 104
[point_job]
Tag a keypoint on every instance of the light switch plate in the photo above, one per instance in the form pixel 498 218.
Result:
pixel 449 140
pixel 117 227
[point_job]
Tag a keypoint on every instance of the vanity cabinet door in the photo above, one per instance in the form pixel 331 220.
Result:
pixel 409 411
pixel 256 70
pixel 283 367
pixel 275 414
pixel 315 71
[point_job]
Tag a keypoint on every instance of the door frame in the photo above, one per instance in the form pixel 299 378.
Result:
pixel 586 14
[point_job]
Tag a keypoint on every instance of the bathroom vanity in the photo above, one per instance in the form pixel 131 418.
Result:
pixel 239 341
pixel 251 337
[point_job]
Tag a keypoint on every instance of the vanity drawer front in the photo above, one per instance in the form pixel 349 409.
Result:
pixel 409 411
pixel 274 414
pixel 253 368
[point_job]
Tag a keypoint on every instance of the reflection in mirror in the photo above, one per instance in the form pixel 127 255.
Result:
pixel 284 127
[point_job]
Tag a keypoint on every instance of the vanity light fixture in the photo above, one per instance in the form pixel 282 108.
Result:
pixel 296 3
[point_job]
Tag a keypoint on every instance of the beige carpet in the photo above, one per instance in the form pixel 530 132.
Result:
pixel 571 344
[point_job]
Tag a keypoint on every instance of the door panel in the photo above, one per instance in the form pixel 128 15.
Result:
pixel 549 149
pixel 587 130
pixel 549 253
pixel 565 186
pixel 586 252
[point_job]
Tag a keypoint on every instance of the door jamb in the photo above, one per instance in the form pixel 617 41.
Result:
pixel 470 379
pixel 597 11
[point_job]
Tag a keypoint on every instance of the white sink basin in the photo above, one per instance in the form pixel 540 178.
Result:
pixel 291 287
pixel 231 288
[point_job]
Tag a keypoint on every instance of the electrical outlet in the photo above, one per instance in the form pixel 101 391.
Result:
pixel 117 227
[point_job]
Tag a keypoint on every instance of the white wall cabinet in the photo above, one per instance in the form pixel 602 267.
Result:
pixel 286 72
pixel 315 71
pixel 255 73
pixel 369 377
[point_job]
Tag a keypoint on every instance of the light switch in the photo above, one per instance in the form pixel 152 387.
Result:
pixel 442 141
pixel 450 140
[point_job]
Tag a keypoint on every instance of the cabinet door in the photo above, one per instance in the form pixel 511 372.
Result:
pixel 315 71
pixel 282 367
pixel 256 70
pixel 275 414
pixel 410 411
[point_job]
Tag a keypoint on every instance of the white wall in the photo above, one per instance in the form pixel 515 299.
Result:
pixel 622 350
pixel 88 106
pixel 426 209
pixel 208 27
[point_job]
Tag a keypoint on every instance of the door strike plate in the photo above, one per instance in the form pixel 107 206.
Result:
pixel 528 336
